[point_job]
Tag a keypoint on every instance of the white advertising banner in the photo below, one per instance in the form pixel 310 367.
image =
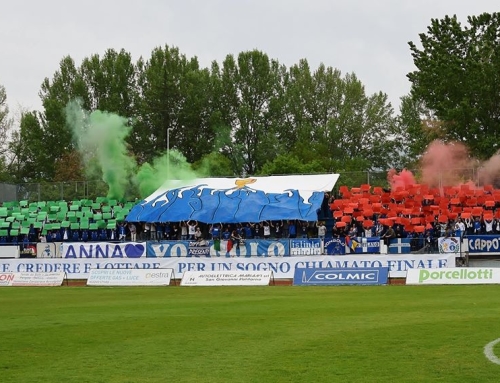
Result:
pixel 453 276
pixel 230 278
pixel 9 251
pixel 284 267
pixel 129 277
pixel 31 279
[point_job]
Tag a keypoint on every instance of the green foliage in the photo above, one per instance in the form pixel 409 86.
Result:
pixel 458 77
pixel 290 164
pixel 213 165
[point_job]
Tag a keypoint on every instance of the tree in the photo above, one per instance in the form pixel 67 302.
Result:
pixel 333 121
pixel 245 95
pixel 111 82
pixel 458 78
pixel 420 127
pixel 5 127
pixel 67 84
pixel 173 106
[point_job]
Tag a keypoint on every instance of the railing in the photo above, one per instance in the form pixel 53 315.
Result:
pixel 75 190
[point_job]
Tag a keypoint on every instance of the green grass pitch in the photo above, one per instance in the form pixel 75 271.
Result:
pixel 249 334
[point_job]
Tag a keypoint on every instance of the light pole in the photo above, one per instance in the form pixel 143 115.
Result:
pixel 168 152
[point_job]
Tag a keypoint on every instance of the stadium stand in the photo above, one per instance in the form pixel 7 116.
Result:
pixel 22 219
pixel 416 207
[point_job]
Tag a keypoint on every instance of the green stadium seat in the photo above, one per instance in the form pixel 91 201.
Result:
pixel 4 224
pixel 94 226
pixel 84 224
pixel 96 206
pixel 111 225
pixel 106 216
pixel 56 226
pixel 23 203
pixel 75 226
pixel 41 216
pixel 97 216
pixel 55 208
pixel 4 233
pixel 65 224
pixel 101 200
pixel 4 212
pixel 112 202
pixel 38 225
pixel 74 207
pixel 106 209
pixel 25 230
pixel 14 232
pixel 101 224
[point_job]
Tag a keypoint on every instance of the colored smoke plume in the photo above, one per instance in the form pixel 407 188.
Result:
pixel 450 164
pixel 447 164
pixel 400 180
pixel 100 138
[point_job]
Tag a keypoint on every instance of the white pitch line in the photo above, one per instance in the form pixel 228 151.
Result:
pixel 490 354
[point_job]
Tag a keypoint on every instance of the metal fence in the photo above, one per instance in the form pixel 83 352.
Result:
pixel 77 190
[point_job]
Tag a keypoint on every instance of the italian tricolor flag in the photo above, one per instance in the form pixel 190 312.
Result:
pixel 223 245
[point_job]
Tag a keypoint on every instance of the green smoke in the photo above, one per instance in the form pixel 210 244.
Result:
pixel 100 138
pixel 151 176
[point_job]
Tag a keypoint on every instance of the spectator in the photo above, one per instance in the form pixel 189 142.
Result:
pixel 389 235
pixel 133 232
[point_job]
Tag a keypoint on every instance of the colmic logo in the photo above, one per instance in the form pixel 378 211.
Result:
pixel 340 276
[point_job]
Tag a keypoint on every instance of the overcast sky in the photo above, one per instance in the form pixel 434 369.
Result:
pixel 367 37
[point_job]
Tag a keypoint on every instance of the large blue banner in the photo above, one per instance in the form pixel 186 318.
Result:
pixel 351 276
pixel 484 243
pixel 226 205
pixel 262 247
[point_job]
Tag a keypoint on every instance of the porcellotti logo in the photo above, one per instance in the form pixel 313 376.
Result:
pixel 457 275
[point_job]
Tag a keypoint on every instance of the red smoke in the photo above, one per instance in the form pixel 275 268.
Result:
pixel 401 180
pixel 449 164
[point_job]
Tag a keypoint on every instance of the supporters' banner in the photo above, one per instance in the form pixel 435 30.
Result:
pixel 454 276
pixel 284 267
pixel 375 276
pixel 484 243
pixel 360 245
pixel 129 277
pixel 27 251
pixel 234 200
pixel 449 245
pixel 103 250
pixel 304 246
pixel 335 246
pixel 247 248
pixel 31 279
pixel 48 250
pixel 400 246
pixel 226 278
